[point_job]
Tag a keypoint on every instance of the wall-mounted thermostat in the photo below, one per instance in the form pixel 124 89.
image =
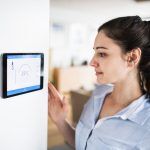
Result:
pixel 22 73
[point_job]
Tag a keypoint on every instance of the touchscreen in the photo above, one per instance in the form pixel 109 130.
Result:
pixel 23 73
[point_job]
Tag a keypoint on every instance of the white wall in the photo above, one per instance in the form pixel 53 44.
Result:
pixel 24 27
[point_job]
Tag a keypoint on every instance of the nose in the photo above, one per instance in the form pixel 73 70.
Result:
pixel 93 62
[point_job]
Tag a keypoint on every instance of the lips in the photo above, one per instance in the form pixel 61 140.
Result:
pixel 98 73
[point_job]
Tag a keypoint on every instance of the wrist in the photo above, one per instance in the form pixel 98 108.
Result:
pixel 61 123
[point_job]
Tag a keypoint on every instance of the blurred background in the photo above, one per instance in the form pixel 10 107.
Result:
pixel 73 26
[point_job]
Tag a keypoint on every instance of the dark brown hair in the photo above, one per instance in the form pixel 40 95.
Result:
pixel 129 33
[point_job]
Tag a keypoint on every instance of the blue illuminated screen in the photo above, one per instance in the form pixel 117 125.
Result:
pixel 23 73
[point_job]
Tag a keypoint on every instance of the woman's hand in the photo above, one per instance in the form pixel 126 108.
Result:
pixel 57 110
pixel 57 107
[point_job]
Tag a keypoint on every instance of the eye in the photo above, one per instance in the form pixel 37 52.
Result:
pixel 102 54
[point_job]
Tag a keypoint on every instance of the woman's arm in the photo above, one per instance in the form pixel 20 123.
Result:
pixel 68 132
pixel 57 110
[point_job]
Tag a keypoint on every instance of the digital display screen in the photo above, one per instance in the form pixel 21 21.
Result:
pixel 22 73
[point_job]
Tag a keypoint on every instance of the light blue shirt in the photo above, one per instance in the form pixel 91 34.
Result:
pixel 129 129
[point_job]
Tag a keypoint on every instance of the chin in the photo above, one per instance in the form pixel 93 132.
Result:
pixel 100 81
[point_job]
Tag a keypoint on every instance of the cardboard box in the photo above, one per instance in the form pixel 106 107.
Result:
pixel 74 78
pixel 78 99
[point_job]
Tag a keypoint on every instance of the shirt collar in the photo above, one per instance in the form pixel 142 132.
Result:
pixel 138 111
pixel 99 98
pixel 132 108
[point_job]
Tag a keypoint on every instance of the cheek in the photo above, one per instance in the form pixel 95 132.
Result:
pixel 121 72
pixel 117 69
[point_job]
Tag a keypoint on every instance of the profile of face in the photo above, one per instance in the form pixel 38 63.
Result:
pixel 109 60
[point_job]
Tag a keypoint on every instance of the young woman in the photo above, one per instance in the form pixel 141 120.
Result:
pixel 116 117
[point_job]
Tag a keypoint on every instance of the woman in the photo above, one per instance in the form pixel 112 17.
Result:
pixel 116 117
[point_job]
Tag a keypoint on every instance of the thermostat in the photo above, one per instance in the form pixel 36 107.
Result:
pixel 22 73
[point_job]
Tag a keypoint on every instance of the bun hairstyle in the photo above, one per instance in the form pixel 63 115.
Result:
pixel 130 33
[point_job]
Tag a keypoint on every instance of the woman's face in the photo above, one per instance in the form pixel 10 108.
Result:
pixel 108 60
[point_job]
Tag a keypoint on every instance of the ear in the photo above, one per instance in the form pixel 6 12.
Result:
pixel 133 57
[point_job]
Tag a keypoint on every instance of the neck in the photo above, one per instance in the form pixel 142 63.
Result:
pixel 126 91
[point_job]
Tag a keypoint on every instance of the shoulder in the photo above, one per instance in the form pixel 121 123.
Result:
pixel 102 89
pixel 141 113
pixel 146 117
pixel 99 91
pixel 95 99
pixel 144 143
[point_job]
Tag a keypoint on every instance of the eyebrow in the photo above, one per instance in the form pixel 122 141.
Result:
pixel 100 47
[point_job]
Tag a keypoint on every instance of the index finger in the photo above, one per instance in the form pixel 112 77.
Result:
pixel 53 90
